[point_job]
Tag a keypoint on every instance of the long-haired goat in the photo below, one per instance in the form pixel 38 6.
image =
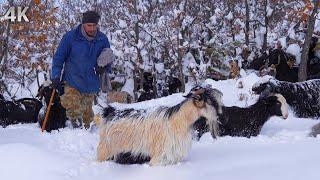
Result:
pixel 163 135
pixel 57 115
pixel 25 110
pixel 248 121
pixel 303 97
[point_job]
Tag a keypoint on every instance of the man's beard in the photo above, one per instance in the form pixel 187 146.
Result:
pixel 92 35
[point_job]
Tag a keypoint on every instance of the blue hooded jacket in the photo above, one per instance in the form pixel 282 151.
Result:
pixel 79 58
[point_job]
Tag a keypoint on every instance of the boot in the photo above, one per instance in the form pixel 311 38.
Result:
pixel 86 126
pixel 74 123
pixel 87 123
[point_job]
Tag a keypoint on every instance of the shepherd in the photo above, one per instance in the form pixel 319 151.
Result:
pixel 82 55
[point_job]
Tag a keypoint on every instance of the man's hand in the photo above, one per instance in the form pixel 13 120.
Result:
pixel 100 70
pixel 108 69
pixel 56 84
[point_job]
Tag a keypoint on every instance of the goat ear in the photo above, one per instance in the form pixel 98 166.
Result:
pixel 40 92
pixel 218 93
pixel 188 95
pixel 267 91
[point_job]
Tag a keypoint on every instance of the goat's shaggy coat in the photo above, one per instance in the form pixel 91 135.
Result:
pixel 163 135
pixel 57 115
pixel 110 113
pixel 248 121
pixel 25 110
pixel 303 97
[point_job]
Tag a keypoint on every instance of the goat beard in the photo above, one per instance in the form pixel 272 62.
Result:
pixel 213 128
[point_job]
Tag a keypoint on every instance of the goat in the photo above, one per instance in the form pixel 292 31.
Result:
pixel 163 136
pixel 303 97
pixel 119 96
pixel 258 62
pixel 248 121
pixel 147 87
pixel 234 69
pixel 25 110
pixel 282 62
pixel 57 115
pixel 313 62
pixel 144 96
pixel 174 85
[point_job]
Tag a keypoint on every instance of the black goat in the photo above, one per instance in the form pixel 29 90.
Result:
pixel 57 116
pixel 146 95
pixel 258 62
pixel 313 63
pixel 174 85
pixel 283 71
pixel 280 60
pixel 248 121
pixel 25 110
pixel 303 97
pixel 147 88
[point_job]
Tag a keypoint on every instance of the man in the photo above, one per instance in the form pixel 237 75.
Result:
pixel 75 64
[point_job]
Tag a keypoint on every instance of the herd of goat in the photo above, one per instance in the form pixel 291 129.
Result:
pixel 281 64
pixel 163 135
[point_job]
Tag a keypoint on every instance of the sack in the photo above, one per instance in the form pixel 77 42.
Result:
pixel 106 57
pixel 105 84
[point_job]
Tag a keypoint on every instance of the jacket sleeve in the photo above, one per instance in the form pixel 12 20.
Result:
pixel 106 42
pixel 60 57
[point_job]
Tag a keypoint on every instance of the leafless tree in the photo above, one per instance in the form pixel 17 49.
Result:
pixel 304 56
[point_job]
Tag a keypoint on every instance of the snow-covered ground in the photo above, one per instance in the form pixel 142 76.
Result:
pixel 282 151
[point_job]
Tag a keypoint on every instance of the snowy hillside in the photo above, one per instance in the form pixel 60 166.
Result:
pixel 283 150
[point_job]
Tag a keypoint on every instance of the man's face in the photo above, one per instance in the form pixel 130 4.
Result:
pixel 90 28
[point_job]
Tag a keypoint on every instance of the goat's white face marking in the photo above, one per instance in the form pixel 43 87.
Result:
pixel 46 83
pixel 284 105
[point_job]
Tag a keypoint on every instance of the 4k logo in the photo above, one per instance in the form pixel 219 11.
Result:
pixel 16 14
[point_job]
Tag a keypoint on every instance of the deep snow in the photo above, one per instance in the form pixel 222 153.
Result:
pixel 282 151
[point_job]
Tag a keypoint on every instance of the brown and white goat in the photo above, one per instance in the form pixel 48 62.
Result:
pixel 119 96
pixel 163 135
